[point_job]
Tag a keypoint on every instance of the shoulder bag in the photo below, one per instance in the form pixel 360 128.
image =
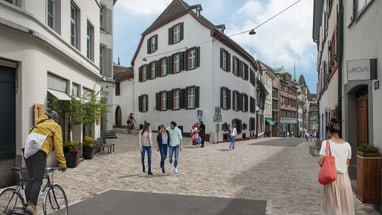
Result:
pixel 328 171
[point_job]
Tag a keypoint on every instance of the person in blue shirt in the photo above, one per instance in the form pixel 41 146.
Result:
pixel 175 144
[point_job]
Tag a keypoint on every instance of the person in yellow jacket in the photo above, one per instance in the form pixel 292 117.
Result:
pixel 36 163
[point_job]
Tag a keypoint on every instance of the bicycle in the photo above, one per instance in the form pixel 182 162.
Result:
pixel 12 200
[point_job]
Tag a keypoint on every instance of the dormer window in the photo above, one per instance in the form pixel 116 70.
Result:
pixel 152 44
pixel 175 33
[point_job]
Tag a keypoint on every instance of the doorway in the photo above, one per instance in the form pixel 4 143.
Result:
pixel 7 112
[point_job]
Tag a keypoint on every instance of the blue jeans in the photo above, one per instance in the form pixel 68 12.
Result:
pixel 232 145
pixel 174 150
pixel 163 154
pixel 148 149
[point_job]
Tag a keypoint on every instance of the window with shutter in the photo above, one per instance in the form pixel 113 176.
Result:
pixel 152 44
pixel 163 100
pixel 144 73
pixel 176 33
pixel 163 67
pixel 190 97
pixel 143 103
pixel 153 70
pixel 191 59
pixel 225 98
pixel 176 63
pixel 176 99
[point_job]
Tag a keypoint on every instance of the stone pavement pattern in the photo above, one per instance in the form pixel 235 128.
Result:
pixel 284 175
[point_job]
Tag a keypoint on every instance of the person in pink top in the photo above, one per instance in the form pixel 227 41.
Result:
pixel 337 196
pixel 145 144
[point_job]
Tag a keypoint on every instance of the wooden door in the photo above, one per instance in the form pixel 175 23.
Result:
pixel 362 121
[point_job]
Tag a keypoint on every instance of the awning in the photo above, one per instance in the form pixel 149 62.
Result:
pixel 270 122
pixel 59 95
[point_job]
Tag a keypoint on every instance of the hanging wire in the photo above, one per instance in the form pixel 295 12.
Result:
pixel 252 31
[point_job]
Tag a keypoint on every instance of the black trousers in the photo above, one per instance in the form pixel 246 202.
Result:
pixel 36 169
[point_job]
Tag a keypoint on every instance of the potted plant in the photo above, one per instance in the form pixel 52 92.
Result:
pixel 72 153
pixel 89 147
pixel 369 174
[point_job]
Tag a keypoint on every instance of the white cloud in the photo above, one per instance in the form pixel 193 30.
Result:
pixel 144 7
pixel 282 40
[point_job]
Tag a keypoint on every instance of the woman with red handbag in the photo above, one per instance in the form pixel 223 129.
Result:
pixel 337 196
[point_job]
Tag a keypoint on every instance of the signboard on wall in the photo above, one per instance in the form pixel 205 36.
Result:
pixel 362 69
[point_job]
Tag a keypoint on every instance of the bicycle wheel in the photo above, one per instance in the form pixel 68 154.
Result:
pixel 11 202
pixel 55 201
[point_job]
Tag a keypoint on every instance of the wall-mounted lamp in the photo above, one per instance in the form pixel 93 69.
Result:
pixel 144 59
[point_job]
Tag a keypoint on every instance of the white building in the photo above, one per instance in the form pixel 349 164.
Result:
pixel 48 48
pixel 186 69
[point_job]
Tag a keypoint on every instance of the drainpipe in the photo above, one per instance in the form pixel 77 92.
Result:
pixel 340 34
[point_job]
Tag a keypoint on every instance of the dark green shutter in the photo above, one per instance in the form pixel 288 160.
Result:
pixel 229 99
pixel 182 60
pixel 147 102
pixel 140 74
pixel 221 96
pixel 197 93
pixel 169 65
pixel 240 101
pixel 169 100
pixel 197 57
pixel 182 98
pixel 140 103
pixel 181 31
pixel 147 71
pixel 157 101
pixel 156 42
pixel 221 57
pixel 157 68
pixel 170 35
pixel 228 62
pixel 148 46
pixel 246 103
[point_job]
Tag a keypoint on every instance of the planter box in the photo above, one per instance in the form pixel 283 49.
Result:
pixel 88 152
pixel 72 159
pixel 369 177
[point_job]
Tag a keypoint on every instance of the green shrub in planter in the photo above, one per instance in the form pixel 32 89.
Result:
pixel 368 148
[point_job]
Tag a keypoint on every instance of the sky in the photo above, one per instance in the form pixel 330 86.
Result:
pixel 285 40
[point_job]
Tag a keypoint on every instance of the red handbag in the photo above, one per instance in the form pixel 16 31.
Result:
pixel 328 171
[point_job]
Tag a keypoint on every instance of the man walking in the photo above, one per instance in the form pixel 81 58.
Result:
pixel 175 144
pixel 202 132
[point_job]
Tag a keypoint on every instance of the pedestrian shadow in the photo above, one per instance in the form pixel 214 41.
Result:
pixel 138 175
pixel 225 150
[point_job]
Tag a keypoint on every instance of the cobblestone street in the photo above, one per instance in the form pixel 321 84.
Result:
pixel 279 171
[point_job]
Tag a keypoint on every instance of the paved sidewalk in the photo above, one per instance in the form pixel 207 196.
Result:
pixel 281 172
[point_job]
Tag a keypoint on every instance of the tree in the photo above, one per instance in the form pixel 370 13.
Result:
pixel 77 111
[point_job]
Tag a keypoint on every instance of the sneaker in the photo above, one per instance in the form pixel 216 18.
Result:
pixel 31 209
pixel 163 171
pixel 170 160
pixel 176 169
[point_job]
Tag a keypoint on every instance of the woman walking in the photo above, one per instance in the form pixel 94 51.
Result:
pixel 163 140
pixel 145 143
pixel 233 137
pixel 195 135
pixel 337 196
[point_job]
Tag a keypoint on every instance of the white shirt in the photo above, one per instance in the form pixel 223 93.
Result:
pixel 342 153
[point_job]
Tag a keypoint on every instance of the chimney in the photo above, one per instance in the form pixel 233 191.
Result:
pixel 196 9
pixel 220 27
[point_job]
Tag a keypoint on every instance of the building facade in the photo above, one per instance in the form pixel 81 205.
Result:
pixel 349 69
pixel 50 48
pixel 288 103
pixel 188 70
